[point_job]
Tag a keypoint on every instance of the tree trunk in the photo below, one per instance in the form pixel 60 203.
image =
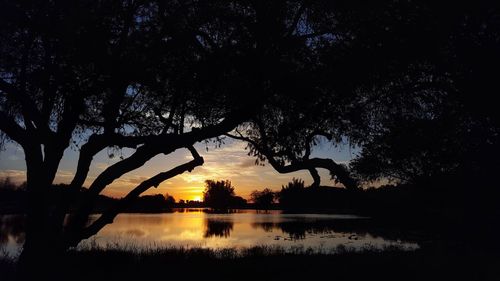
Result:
pixel 41 247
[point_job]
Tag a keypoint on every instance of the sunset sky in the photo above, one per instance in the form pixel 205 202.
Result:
pixel 230 162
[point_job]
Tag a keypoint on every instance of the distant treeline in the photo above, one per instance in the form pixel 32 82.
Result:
pixel 13 199
pixel 389 200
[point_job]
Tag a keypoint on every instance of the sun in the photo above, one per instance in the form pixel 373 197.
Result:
pixel 197 198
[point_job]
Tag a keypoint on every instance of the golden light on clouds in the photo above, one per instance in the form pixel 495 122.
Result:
pixel 193 178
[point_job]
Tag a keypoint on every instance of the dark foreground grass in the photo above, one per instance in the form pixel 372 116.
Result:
pixel 264 263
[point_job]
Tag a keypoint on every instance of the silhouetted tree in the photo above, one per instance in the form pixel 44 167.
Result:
pixel 443 128
pixel 416 151
pixel 169 200
pixel 194 204
pixel 292 195
pixel 418 117
pixel 7 183
pixel 152 203
pixel 218 194
pixel 238 202
pixel 150 76
pixel 12 196
pixel 263 199
pixel 157 76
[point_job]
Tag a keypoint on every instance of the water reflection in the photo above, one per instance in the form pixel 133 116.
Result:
pixel 299 230
pixel 195 228
pixel 136 233
pixel 218 228
pixel 11 233
pixel 11 229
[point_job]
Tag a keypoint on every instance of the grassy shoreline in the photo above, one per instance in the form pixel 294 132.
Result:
pixel 266 263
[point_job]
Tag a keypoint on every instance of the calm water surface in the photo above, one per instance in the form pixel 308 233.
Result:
pixel 245 228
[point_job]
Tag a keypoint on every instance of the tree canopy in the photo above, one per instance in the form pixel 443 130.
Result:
pixel 218 194
pixel 264 198
pixel 442 129
pixel 147 75
pixel 157 76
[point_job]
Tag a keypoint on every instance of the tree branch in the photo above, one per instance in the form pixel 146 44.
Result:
pixel 94 145
pixel 316 178
pixel 13 130
pixel 153 145
pixel 28 107
pixel 336 170
pixel 296 19
pixel 108 216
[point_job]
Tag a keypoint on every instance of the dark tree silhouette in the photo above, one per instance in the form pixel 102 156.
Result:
pixel 218 195
pixel 263 199
pixel 416 93
pixel 291 195
pixel 443 128
pixel 151 76
pixel 157 76
pixel 152 203
pixel 170 200
pixel 7 184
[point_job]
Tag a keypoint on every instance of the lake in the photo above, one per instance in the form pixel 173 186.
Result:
pixel 240 229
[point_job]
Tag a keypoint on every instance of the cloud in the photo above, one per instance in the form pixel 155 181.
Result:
pixel 16 176
pixel 247 163
pixel 135 180
pixel 228 152
pixel 64 176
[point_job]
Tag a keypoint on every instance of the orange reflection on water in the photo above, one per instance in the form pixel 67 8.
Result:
pixel 245 228
pixel 195 228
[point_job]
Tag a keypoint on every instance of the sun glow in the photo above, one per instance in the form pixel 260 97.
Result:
pixel 197 198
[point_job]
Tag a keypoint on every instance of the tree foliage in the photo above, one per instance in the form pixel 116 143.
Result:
pixel 218 195
pixel 291 194
pixel 157 76
pixel 443 127
pixel 264 198
pixel 153 76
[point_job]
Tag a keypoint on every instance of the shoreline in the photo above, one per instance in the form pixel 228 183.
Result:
pixel 265 263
